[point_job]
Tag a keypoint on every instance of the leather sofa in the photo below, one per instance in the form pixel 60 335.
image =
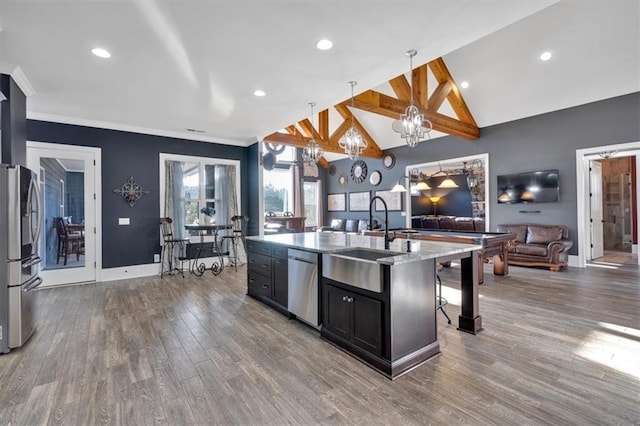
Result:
pixel 476 224
pixel 352 226
pixel 539 245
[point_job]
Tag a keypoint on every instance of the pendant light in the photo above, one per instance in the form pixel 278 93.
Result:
pixel 352 141
pixel 414 127
pixel 312 153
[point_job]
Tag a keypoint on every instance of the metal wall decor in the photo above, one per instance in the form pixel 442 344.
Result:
pixel 131 191
pixel 359 171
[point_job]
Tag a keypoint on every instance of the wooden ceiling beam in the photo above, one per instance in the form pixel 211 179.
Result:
pixel 401 88
pixel 439 95
pixel 293 130
pixel 379 103
pixel 420 88
pixel 323 123
pixel 442 74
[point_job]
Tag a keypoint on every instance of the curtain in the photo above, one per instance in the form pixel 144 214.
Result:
pixel 227 201
pixel 320 219
pixel 173 201
pixel 298 203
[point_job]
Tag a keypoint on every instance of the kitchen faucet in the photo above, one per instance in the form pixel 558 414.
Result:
pixel 387 238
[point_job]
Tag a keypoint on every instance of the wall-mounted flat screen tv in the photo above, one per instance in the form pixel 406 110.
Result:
pixel 530 187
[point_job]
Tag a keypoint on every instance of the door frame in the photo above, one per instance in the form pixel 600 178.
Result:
pixel 583 156
pixel 62 150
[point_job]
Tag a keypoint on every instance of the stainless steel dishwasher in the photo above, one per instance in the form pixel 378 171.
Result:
pixel 303 286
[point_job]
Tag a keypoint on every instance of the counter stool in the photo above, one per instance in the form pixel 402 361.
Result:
pixel 170 244
pixel 239 224
pixel 441 301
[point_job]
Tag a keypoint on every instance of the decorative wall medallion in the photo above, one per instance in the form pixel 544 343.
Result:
pixel 388 161
pixel 332 170
pixel 375 178
pixel 131 191
pixel 343 180
pixel 359 171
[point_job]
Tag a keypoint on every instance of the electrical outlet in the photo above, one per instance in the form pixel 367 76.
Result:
pixel 156 258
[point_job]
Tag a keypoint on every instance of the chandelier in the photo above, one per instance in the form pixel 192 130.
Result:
pixel 352 141
pixel 414 127
pixel 312 153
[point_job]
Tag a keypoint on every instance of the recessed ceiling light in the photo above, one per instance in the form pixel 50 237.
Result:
pixel 545 56
pixel 102 53
pixel 259 93
pixel 324 44
pixel 464 84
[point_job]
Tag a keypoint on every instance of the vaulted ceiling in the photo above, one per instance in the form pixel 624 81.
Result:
pixel 195 65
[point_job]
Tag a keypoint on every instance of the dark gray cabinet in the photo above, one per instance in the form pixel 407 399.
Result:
pixel 354 317
pixel 267 276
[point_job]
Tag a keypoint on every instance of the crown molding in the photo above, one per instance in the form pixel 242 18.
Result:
pixel 19 77
pixel 134 129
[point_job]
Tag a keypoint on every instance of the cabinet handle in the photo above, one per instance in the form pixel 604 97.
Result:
pixel 265 286
pixel 265 266
pixel 252 280
pixel 349 299
pixel 278 261
pixel 344 298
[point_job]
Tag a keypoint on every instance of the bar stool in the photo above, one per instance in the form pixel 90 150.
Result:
pixel 239 224
pixel 170 244
pixel 441 301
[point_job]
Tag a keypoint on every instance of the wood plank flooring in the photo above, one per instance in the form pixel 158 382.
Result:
pixel 558 348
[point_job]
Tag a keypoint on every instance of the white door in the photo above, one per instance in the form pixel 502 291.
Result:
pixel 70 186
pixel 595 189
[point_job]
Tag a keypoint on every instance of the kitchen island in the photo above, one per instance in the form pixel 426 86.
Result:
pixel 377 304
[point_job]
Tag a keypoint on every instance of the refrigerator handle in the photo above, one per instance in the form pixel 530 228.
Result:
pixel 34 261
pixel 36 236
pixel 32 286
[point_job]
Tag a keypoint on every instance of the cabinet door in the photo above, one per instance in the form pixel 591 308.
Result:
pixel 280 276
pixel 336 309
pixel 367 323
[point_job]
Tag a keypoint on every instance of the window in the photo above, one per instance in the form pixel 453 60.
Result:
pixel 311 203
pixel 278 190
pixel 193 184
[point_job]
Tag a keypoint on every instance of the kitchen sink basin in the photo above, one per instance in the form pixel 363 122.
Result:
pixel 357 267
pixel 367 254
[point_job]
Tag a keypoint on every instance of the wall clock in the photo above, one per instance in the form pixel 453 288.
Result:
pixel 359 171
pixel 342 180
pixel 332 169
pixel 375 178
pixel 388 161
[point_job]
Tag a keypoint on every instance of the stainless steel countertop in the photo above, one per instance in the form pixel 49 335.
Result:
pixel 334 242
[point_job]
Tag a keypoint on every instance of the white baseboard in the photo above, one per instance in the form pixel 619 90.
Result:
pixel 573 261
pixel 634 248
pixel 126 272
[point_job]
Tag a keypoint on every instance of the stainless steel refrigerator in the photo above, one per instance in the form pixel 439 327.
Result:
pixel 20 227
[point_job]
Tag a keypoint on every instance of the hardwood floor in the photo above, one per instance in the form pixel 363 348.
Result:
pixel 558 348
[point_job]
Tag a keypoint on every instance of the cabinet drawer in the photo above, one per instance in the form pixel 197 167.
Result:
pixel 259 285
pixel 279 252
pixel 260 263
pixel 258 247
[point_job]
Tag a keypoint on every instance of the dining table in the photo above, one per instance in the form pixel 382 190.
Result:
pixel 212 248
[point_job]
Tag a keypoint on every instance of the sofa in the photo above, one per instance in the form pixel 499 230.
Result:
pixel 448 222
pixel 539 245
pixel 351 226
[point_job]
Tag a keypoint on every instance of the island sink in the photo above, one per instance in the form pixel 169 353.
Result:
pixel 357 268
pixel 367 254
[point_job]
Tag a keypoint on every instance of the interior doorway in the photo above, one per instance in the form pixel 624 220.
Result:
pixel 69 180
pixel 608 216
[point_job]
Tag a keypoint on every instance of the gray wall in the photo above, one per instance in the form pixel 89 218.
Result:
pixel 547 141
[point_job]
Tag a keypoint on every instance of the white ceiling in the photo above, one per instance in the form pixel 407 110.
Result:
pixel 178 65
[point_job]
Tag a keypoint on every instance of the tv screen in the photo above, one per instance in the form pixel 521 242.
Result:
pixel 530 187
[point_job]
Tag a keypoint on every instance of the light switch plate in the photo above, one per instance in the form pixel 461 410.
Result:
pixel 123 221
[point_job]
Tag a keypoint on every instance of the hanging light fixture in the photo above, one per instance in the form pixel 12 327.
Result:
pixel 312 153
pixel 414 127
pixel 448 183
pixel 352 141
pixel 399 187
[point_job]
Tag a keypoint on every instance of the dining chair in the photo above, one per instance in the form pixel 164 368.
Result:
pixel 171 244
pixel 68 242
pixel 237 236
